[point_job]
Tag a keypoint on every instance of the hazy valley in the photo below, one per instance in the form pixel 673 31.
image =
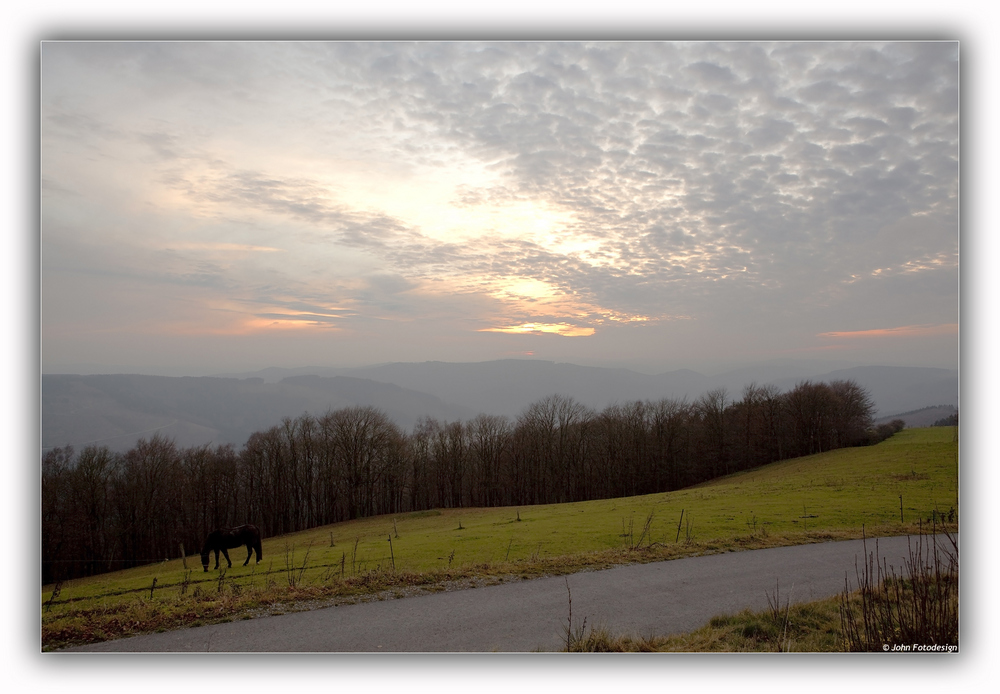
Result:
pixel 116 410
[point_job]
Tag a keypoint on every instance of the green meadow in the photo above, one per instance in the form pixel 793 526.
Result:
pixel 897 486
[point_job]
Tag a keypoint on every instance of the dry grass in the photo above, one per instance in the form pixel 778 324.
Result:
pixel 917 607
pixel 832 496
pixel 888 611
pixel 805 628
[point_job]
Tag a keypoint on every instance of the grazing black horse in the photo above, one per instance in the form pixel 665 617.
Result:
pixel 229 538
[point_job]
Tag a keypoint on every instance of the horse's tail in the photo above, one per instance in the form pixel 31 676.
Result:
pixel 256 544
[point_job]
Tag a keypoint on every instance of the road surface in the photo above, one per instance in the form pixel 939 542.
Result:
pixel 643 599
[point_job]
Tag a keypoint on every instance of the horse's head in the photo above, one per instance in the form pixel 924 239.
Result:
pixel 204 558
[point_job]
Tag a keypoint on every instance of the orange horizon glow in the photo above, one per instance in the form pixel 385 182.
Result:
pixel 248 326
pixel 902 331
pixel 564 329
pixel 284 324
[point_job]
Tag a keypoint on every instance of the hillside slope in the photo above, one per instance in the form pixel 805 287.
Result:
pixel 117 410
pixel 506 387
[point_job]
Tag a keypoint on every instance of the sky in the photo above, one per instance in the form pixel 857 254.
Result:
pixel 210 207
pixel 110 296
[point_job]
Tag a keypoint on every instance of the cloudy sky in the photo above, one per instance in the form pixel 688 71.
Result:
pixel 214 207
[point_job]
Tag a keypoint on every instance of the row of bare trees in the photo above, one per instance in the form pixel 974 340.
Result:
pixel 103 511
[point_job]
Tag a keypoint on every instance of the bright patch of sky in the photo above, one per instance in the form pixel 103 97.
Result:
pixel 342 203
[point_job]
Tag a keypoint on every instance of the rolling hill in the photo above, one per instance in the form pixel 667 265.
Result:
pixel 506 387
pixel 116 410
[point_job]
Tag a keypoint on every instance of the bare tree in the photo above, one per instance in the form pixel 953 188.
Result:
pixel 103 510
pixel 712 408
pixel 670 429
pixel 489 441
pixel 853 410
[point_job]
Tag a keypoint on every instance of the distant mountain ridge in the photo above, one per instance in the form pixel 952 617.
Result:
pixel 117 410
pixel 897 389
pixel 506 387
pixel 924 417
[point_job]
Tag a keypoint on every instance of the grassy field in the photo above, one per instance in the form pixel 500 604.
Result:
pixel 887 489
pixel 812 627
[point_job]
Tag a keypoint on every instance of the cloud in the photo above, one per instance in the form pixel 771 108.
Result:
pixel 563 329
pixel 903 331
pixel 547 184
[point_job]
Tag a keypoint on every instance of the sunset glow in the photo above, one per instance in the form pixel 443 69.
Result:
pixel 903 331
pixel 668 203
pixel 563 329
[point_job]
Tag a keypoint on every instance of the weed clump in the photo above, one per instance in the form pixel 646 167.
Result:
pixel 891 611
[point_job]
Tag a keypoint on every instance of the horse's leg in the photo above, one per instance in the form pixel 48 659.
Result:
pixel 249 553
pixel 216 560
pixel 226 553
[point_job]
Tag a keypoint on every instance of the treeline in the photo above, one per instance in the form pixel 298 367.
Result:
pixel 103 511
pixel 949 421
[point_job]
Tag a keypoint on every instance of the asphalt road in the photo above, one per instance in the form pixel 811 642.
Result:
pixel 661 598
